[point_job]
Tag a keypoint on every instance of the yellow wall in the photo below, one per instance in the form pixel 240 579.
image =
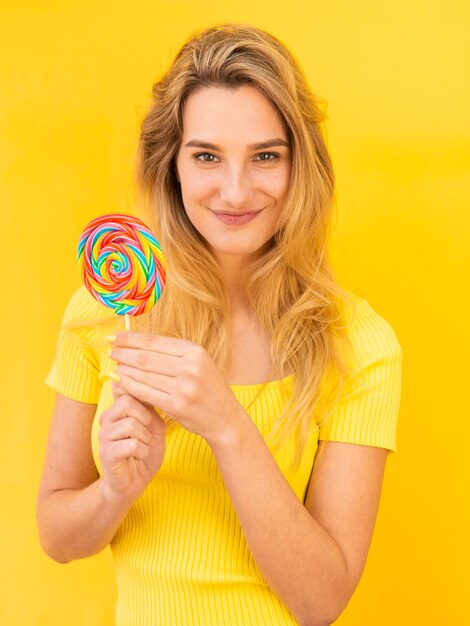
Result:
pixel 75 79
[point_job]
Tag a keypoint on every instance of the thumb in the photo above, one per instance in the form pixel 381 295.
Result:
pixel 160 415
pixel 117 391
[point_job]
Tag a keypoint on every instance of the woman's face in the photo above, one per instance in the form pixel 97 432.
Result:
pixel 222 170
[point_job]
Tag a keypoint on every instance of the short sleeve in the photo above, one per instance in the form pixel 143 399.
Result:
pixel 367 412
pixel 75 372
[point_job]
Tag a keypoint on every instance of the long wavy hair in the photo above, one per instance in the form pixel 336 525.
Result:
pixel 291 288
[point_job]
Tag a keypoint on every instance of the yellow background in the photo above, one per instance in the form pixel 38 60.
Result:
pixel 75 80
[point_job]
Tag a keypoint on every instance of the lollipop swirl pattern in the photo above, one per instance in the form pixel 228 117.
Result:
pixel 122 263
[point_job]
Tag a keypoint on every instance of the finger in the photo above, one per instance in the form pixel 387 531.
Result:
pixel 161 382
pixel 125 448
pixel 156 343
pixel 117 391
pixel 147 360
pixel 128 428
pixel 157 421
pixel 126 406
pixel 145 393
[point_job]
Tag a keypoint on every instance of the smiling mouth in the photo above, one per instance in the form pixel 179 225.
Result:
pixel 238 219
pixel 237 214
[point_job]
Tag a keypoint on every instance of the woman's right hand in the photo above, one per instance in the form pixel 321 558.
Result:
pixel 132 446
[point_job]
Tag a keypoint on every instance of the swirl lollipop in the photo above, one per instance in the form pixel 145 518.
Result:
pixel 122 264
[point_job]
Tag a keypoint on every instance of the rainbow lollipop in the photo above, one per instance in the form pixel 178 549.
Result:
pixel 122 264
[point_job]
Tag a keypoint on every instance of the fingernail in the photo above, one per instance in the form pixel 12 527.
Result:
pixel 110 338
pixel 110 352
pixel 114 377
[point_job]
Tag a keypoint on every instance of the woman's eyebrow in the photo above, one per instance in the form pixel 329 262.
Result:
pixel 197 143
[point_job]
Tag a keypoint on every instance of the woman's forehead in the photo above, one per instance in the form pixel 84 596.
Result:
pixel 213 114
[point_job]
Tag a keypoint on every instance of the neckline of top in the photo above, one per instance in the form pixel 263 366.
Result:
pixel 269 384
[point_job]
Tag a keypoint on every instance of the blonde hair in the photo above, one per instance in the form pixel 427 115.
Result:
pixel 291 289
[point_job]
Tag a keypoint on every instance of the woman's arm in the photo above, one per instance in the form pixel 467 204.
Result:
pixel 75 517
pixel 77 523
pixel 301 561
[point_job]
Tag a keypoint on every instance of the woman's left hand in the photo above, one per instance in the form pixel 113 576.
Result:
pixel 180 378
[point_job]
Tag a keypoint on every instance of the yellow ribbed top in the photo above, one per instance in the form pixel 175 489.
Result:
pixel 180 554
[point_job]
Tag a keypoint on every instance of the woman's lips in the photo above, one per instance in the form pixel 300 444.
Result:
pixel 233 220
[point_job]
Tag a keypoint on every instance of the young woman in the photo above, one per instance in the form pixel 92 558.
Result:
pixel 200 464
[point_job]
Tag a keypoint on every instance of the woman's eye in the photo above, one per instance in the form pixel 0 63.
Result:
pixel 203 154
pixel 272 154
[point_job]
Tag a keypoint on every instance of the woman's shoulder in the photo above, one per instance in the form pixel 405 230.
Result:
pixel 372 335
pixel 81 305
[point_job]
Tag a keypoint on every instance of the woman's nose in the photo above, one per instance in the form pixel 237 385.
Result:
pixel 235 187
